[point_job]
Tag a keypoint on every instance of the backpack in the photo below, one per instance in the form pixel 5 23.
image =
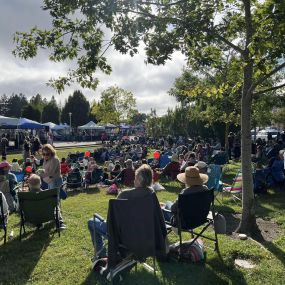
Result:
pixel 191 253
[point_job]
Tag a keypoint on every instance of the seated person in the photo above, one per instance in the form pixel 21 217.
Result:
pixel 34 182
pixel 202 166
pixel 194 182
pixel 278 171
pixel 200 152
pixel 15 165
pixel 190 160
pixel 116 170
pixel 142 182
pixel 220 158
pixel 64 167
pixel 8 181
pixel 35 162
pixel 127 175
pixel 172 168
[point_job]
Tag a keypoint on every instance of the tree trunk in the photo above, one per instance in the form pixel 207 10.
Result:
pixel 248 221
pixel 226 136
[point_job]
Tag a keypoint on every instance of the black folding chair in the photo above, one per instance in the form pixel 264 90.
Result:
pixel 194 210
pixel 136 230
pixel 39 207
pixel 3 217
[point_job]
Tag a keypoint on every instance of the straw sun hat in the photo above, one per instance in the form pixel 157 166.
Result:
pixel 191 176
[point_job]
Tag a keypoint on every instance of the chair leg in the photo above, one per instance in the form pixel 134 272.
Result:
pixel 180 244
pixel 154 266
pixel 5 234
pixel 21 225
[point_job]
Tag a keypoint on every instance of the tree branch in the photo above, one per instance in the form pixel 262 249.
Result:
pixel 262 79
pixel 269 89
pixel 162 5
pixel 233 46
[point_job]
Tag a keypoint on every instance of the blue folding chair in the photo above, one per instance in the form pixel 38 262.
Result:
pixel 164 160
pixel 214 181
pixel 19 175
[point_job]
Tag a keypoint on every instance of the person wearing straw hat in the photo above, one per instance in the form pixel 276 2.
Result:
pixel 194 182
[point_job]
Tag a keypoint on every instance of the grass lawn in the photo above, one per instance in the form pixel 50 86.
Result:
pixel 44 258
pixel 59 152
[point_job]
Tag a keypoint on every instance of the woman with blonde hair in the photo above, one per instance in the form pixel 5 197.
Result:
pixel 51 167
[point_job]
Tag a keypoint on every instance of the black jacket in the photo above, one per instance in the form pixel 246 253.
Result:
pixel 138 225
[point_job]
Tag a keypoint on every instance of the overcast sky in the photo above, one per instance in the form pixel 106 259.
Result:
pixel 148 83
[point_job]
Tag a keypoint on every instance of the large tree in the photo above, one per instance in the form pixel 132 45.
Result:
pixel 203 30
pixel 51 112
pixel 79 108
pixel 116 105
pixel 16 103
pixel 31 112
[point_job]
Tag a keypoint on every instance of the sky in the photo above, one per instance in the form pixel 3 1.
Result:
pixel 148 83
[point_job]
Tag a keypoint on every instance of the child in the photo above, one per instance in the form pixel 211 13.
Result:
pixel 15 165
pixel 64 167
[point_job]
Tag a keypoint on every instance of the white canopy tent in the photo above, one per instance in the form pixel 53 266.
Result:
pixel 6 122
pixel 91 126
pixel 51 125
pixel 61 127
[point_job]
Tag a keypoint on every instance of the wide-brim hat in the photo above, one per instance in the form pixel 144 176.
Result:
pixel 175 157
pixel 192 176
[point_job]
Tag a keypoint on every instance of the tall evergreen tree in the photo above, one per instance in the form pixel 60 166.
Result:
pixel 79 108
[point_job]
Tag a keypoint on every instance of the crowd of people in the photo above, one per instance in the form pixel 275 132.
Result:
pixel 127 164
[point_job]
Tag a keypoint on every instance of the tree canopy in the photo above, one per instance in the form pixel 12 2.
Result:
pixel 51 112
pixel 31 112
pixel 205 31
pixel 116 105
pixel 79 108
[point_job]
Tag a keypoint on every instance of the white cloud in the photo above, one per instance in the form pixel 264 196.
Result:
pixel 148 83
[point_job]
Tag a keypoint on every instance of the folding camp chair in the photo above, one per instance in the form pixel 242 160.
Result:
pixel 235 190
pixel 39 207
pixel 194 210
pixel 20 175
pixel 136 230
pixel 164 160
pixel 3 217
pixel 214 179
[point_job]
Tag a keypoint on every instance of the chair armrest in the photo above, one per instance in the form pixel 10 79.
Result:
pixel 99 217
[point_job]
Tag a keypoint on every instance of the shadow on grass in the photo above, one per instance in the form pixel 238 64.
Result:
pixel 270 246
pixel 76 191
pixel 213 272
pixel 19 258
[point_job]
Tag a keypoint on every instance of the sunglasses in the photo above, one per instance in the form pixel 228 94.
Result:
pixel 46 154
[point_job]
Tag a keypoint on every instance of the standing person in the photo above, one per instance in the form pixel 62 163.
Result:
pixel 36 145
pixel 27 149
pixel 4 143
pixel 231 138
pixel 51 173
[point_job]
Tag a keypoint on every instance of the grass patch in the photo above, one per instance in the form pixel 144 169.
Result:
pixel 44 258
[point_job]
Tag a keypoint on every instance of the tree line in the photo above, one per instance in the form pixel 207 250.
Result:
pixel 115 105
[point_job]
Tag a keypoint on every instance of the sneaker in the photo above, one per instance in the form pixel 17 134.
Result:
pixel 62 226
pixel 99 264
